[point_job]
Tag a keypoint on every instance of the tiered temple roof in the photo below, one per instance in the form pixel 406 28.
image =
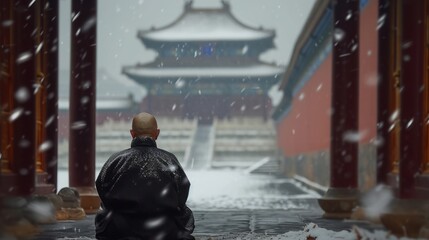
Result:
pixel 207 66
pixel 206 43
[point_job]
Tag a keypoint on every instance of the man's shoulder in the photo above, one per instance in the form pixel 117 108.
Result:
pixel 121 153
pixel 170 154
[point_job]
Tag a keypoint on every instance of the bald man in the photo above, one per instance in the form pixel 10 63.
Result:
pixel 143 190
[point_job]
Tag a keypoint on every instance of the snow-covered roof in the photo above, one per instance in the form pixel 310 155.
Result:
pixel 103 104
pixel 252 71
pixel 110 92
pixel 206 25
pixel 107 86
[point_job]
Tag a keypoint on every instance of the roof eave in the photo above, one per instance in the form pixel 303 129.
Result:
pixel 147 40
pixel 313 19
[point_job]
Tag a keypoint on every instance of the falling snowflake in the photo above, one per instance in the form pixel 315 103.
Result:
pixel 22 94
pixel 244 49
pixel 75 16
pixel 24 143
pixel 410 123
pixel 23 171
pixel 84 100
pixel 381 21
pixel 394 115
pixel 180 83
pixel 7 23
pixel 155 222
pixel 349 15
pixel 339 34
pixel 45 146
pixel 16 114
pixel 23 57
pixel 89 24
pixel 31 3
pixel 39 47
pixel 78 125
pixel 353 136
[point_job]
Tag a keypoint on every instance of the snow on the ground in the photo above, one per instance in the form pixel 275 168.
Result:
pixel 235 189
pixel 312 232
pixel 232 189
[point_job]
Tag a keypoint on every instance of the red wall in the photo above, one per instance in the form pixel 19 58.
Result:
pixel 306 128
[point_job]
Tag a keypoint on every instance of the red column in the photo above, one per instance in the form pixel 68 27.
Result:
pixel 412 89
pixel 384 76
pixel 82 94
pixel 341 197
pixel 6 67
pixel 345 95
pixel 24 127
pixel 50 55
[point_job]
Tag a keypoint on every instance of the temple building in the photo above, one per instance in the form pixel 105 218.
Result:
pixel 207 67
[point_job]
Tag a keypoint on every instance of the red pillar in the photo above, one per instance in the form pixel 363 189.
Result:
pixel 412 96
pixel 345 95
pixel 6 66
pixel 82 94
pixel 82 103
pixel 51 15
pixel 24 127
pixel 384 78
pixel 406 215
pixel 342 194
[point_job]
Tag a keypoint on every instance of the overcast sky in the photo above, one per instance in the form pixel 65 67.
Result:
pixel 119 20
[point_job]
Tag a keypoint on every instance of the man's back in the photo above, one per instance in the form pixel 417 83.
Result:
pixel 143 190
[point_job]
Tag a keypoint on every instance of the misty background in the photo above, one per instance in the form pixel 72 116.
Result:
pixel 119 21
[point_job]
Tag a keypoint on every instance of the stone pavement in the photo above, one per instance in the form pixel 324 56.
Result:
pixel 217 223
pixel 230 203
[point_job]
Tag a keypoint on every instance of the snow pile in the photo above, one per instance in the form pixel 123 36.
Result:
pixel 312 232
pixel 231 189
pixel 377 201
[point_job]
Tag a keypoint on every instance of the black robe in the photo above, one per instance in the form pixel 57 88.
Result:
pixel 143 191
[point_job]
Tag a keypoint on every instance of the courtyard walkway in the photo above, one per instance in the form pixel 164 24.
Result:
pixel 231 204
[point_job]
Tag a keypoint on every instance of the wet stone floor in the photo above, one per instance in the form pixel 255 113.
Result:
pixel 230 203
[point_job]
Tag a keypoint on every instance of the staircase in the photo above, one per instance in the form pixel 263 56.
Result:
pixel 201 151
pixel 265 166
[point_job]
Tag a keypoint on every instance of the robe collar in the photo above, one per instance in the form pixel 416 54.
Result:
pixel 143 141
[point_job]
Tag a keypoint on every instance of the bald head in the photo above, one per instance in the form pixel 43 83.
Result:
pixel 144 124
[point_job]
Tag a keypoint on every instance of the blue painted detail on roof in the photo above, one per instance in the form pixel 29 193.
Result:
pixel 312 69
pixel 318 47
pixel 305 48
pixel 326 19
pixel 363 3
